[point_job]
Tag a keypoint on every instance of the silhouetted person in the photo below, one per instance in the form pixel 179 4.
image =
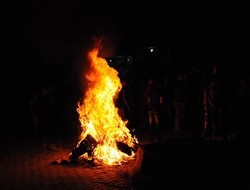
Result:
pixel 46 113
pixel 194 109
pixel 230 112
pixel 244 93
pixel 122 102
pixel 153 101
pixel 180 89
pixel 222 102
pixel 167 113
pixel 215 108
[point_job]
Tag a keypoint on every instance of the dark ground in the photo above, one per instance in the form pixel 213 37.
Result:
pixel 193 163
pixel 177 161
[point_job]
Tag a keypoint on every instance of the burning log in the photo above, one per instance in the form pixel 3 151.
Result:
pixel 124 148
pixel 87 145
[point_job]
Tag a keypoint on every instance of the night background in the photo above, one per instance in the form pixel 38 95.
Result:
pixel 44 43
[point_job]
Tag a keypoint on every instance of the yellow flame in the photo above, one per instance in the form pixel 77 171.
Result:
pixel 98 115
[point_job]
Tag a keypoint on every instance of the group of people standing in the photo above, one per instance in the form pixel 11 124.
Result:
pixel 215 108
pixel 209 107
pixel 165 105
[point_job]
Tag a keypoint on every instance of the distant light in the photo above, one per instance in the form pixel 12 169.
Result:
pixel 151 49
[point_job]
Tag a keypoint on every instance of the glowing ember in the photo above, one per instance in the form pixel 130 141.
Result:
pixel 98 115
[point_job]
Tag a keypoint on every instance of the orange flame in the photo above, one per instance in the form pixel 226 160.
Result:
pixel 98 115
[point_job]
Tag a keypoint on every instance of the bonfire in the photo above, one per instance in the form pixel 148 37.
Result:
pixel 104 136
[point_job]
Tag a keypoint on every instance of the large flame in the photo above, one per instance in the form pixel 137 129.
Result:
pixel 98 115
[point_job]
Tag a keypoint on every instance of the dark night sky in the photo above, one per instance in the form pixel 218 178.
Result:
pixel 34 30
pixel 44 40
pixel 40 33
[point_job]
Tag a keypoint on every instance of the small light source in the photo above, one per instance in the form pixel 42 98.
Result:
pixel 151 49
